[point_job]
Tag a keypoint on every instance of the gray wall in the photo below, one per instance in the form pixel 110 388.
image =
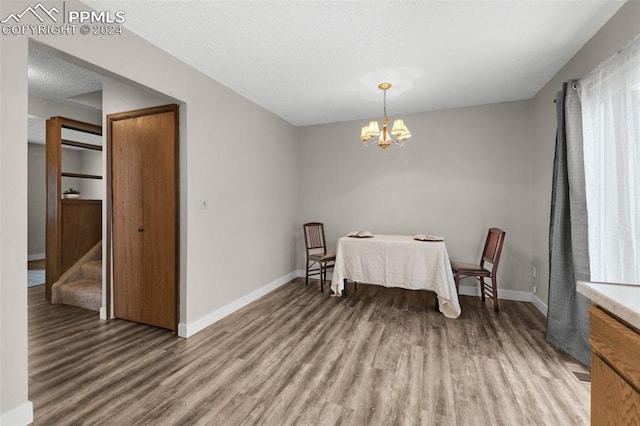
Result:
pixel 463 171
pixel 90 162
pixel 37 201
pixel 607 41
pixel 44 109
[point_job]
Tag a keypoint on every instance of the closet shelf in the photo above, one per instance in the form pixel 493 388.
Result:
pixel 81 144
pixel 68 123
pixel 81 201
pixel 80 175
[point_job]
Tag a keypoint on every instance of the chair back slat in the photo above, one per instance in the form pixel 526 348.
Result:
pixel 493 247
pixel 314 236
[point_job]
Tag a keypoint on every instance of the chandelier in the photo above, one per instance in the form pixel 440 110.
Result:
pixel 399 132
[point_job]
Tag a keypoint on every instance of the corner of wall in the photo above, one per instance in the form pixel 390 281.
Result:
pixel 191 328
pixel 539 304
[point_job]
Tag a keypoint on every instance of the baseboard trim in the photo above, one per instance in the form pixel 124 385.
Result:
pixel 539 304
pixel 37 256
pixel 191 328
pixel 21 415
pixel 518 296
pixel 103 313
pixel 474 290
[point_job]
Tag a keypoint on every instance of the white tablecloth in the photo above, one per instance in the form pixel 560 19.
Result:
pixel 397 261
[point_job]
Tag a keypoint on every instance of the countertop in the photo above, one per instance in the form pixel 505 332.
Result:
pixel 622 300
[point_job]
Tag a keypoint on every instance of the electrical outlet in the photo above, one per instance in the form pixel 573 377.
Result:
pixel 533 271
pixel 535 289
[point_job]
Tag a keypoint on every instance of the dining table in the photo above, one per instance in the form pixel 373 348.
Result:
pixel 402 261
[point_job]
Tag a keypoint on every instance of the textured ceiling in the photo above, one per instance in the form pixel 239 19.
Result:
pixel 316 62
pixel 52 76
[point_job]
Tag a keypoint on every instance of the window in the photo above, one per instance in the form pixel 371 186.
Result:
pixel 610 97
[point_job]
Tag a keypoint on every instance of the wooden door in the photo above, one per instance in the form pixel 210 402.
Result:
pixel 144 215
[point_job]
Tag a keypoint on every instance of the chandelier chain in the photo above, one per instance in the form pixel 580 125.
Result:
pixel 385 103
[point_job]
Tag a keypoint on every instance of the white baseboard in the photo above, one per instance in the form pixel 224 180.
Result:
pixel 518 296
pixel 21 415
pixel 189 329
pixel 103 312
pixel 471 290
pixel 539 304
pixel 37 256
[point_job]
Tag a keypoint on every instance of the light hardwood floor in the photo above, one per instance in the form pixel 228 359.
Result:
pixel 296 356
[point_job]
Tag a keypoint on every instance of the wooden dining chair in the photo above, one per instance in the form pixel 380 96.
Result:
pixel 318 259
pixel 490 254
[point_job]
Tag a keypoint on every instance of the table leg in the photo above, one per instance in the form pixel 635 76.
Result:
pixel 344 289
pixel 437 304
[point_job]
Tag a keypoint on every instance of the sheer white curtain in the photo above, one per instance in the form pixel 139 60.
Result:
pixel 610 97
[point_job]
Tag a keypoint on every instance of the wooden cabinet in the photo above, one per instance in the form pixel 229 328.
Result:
pixel 81 229
pixel 615 370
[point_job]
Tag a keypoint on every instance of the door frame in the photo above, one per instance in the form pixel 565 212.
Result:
pixel 110 119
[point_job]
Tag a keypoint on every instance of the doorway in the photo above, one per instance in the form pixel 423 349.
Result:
pixel 143 211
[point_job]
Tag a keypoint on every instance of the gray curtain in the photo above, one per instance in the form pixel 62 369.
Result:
pixel 567 317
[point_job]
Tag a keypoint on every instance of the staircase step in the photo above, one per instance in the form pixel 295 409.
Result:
pixel 84 293
pixel 92 270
